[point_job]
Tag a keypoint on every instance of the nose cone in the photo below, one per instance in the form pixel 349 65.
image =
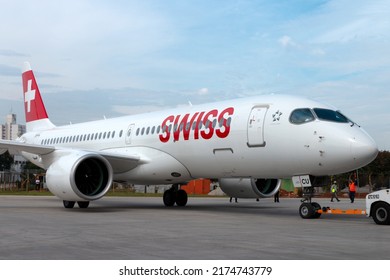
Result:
pixel 364 149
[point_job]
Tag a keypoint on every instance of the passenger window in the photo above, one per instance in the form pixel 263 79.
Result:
pixel 228 122
pixel 300 116
pixel 221 121
pixel 120 133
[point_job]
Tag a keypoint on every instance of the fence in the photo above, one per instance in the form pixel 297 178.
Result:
pixel 16 181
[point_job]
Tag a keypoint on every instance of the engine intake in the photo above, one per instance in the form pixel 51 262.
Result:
pixel 79 177
pixel 249 187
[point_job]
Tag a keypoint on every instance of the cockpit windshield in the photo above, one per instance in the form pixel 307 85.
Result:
pixel 305 115
pixel 300 116
pixel 330 115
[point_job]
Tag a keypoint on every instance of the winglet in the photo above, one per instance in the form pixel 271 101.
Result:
pixel 35 111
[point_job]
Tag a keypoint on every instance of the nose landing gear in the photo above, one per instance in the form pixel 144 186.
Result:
pixel 309 209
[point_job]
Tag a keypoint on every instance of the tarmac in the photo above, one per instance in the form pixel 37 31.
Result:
pixel 141 228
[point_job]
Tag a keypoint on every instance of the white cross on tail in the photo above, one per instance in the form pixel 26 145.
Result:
pixel 29 95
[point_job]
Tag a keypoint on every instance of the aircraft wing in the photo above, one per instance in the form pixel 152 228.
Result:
pixel 18 147
pixel 120 163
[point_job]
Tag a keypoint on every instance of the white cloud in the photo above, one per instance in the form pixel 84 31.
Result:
pixel 133 110
pixel 287 41
pixel 318 52
pixel 203 91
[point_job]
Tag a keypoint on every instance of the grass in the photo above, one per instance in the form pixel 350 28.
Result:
pixel 24 192
pixel 120 193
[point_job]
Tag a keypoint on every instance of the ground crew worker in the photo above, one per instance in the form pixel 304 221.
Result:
pixel 352 190
pixel 37 183
pixel 334 190
pixel 276 196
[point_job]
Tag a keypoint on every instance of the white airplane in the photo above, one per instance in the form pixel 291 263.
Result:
pixel 248 144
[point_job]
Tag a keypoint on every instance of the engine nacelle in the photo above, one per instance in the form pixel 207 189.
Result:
pixel 249 187
pixel 79 177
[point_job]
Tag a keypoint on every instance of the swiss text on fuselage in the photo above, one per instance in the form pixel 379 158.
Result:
pixel 213 122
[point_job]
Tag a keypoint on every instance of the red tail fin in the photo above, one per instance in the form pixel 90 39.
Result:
pixel 35 112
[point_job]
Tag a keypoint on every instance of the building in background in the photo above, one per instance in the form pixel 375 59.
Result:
pixel 11 130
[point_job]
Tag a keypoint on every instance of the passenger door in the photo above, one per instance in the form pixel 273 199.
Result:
pixel 256 126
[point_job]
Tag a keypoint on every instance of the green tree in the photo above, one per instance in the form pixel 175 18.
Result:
pixel 377 173
pixel 6 161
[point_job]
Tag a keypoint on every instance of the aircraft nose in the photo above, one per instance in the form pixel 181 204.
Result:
pixel 364 149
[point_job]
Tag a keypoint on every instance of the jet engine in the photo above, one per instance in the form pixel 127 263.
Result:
pixel 249 187
pixel 79 177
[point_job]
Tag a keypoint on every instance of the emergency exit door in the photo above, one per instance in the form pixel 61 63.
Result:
pixel 129 133
pixel 256 126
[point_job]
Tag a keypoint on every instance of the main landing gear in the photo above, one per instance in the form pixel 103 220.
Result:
pixel 70 204
pixel 309 209
pixel 175 195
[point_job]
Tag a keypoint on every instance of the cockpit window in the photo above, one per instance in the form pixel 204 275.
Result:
pixel 300 116
pixel 330 115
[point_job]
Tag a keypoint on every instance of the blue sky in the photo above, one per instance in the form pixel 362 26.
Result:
pixel 109 58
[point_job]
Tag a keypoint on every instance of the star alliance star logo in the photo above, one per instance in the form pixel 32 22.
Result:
pixel 276 116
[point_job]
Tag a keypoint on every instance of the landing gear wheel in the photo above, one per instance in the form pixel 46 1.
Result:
pixel 306 210
pixel 316 207
pixel 68 204
pixel 169 198
pixel 181 198
pixel 381 213
pixel 83 204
